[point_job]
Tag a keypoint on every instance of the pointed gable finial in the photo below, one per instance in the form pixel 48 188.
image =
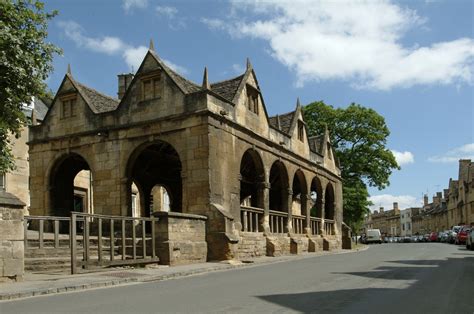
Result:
pixel 298 102
pixel 152 45
pixel 69 69
pixel 249 65
pixel 205 80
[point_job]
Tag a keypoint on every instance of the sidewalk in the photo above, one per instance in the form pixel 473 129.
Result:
pixel 48 283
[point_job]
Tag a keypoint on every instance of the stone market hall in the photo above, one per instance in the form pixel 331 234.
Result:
pixel 260 185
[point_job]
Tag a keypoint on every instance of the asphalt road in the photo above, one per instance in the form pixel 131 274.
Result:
pixel 387 278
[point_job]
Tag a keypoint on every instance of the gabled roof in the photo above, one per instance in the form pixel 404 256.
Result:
pixel 316 143
pixel 40 107
pixel 98 102
pixel 282 122
pixel 186 86
pixel 227 88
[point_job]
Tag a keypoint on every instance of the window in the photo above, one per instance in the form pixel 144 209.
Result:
pixel 68 107
pixel 301 131
pixel 150 87
pixel 252 99
pixel 329 153
pixel 2 182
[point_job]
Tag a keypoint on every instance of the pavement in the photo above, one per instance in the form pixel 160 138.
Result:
pixel 37 284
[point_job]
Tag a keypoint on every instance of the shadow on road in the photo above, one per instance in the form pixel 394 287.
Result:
pixel 439 286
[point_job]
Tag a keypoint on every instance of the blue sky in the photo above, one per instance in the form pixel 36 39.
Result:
pixel 411 61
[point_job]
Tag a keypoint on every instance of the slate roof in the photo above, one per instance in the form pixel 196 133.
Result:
pixel 41 108
pixel 227 88
pixel 10 200
pixel 282 122
pixel 184 84
pixel 97 101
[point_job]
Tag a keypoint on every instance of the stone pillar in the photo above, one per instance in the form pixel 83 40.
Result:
pixel 289 225
pixel 11 238
pixel 305 199
pixel 323 211
pixel 265 192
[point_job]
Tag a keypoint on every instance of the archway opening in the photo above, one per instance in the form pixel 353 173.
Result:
pixel 251 177
pixel 155 179
pixel 299 194
pixel 71 186
pixel 278 187
pixel 316 193
pixel 329 202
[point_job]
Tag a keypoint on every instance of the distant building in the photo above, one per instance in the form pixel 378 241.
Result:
pixel 387 221
pixel 406 223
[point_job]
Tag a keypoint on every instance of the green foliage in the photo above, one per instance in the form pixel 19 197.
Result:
pixel 359 137
pixel 25 62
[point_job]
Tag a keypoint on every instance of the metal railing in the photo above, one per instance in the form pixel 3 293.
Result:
pixel 46 231
pixel 131 240
pixel 251 218
pixel 315 224
pixel 328 226
pixel 298 224
pixel 278 221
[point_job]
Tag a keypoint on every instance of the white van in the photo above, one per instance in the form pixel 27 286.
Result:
pixel 374 236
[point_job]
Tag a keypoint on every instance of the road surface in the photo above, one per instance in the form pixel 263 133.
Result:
pixel 387 278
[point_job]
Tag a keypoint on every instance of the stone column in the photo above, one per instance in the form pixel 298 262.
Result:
pixel 265 192
pixel 323 209
pixel 305 205
pixel 289 225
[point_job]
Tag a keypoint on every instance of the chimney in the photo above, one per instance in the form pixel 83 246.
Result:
pixel 381 210
pixel 439 195
pixel 425 200
pixel 395 205
pixel 124 81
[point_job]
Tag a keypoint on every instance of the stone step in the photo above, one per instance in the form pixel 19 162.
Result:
pixel 62 252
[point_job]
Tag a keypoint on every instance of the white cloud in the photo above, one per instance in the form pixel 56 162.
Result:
pixel 133 56
pixel 403 158
pixel 238 68
pixel 386 201
pixel 177 68
pixel 355 41
pixel 463 152
pixel 128 5
pixel 167 11
pixel 213 23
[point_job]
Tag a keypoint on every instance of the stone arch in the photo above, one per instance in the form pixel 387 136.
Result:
pixel 316 196
pixel 252 176
pixel 278 180
pixel 329 205
pixel 151 164
pixel 300 191
pixel 61 176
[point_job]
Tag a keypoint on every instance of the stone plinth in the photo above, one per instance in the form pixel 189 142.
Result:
pixel 180 238
pixel 11 238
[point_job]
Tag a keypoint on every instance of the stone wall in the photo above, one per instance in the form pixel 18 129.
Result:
pixel 11 244
pixel 181 238
pixel 251 244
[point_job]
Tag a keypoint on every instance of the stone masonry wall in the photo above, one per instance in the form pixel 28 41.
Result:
pixel 11 244
pixel 181 238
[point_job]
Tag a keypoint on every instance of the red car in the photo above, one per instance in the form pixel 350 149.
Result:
pixel 462 235
pixel 433 237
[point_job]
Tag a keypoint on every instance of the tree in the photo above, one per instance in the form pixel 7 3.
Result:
pixel 359 137
pixel 25 62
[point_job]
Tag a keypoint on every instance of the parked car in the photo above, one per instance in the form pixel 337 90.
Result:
pixel 462 235
pixel 470 240
pixel 426 238
pixel 374 236
pixel 433 237
pixel 452 236
pixel 443 236
pixel 414 239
